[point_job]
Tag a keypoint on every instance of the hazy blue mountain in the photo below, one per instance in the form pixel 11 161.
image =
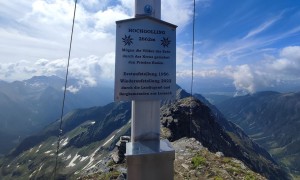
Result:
pixel 272 119
pixel 28 106
pixel 90 134
pixel 214 85
pixel 216 98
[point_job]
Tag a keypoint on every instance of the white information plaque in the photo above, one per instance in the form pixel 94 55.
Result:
pixel 145 66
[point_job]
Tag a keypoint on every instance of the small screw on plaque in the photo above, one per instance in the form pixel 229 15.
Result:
pixel 148 9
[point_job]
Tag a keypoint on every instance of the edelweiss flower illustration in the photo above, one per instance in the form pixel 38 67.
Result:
pixel 165 42
pixel 127 40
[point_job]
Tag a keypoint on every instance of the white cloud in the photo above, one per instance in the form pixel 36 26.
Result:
pixel 180 12
pixel 34 38
pixel 177 12
pixel 243 77
pixel 129 5
pixel 249 78
pixel 38 31
pixel 72 89
pixel 292 53
pixel 91 71
pixel 288 63
pixel 43 30
pixel 267 73
pixel 94 5
pixel 35 34
pixel 8 9
pixel 262 27
pixel 182 57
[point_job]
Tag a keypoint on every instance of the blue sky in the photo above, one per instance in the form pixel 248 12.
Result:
pixel 247 28
pixel 250 45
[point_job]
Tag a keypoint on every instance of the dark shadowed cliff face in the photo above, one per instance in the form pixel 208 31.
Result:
pixel 203 126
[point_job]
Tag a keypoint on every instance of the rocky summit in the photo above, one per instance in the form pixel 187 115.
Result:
pixel 189 117
pixel 192 161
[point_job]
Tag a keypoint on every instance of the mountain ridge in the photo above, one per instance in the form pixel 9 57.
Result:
pixel 231 141
pixel 27 106
pixel 84 149
pixel 272 120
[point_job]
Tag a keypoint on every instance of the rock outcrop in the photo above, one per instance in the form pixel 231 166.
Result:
pixel 119 155
pixel 189 117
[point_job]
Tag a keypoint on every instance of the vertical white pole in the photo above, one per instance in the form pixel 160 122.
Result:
pixel 145 120
pixel 148 157
pixel 146 114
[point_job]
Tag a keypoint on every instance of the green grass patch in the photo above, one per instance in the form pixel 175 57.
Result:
pixel 198 160
pixel 110 163
pixel 233 170
pixel 218 178
pixel 226 160
pixel 112 175
pixel 250 177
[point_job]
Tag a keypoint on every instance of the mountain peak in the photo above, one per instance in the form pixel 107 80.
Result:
pixel 90 135
pixel 272 120
pixel 189 117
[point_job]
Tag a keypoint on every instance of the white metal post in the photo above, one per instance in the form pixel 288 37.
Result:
pixel 146 114
pixel 145 119
pixel 148 157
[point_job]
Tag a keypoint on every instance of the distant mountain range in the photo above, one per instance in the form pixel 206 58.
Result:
pixel 28 106
pixel 90 134
pixel 272 119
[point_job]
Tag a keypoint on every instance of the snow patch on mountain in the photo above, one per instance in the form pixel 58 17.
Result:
pixel 91 159
pixel 69 157
pixel 41 167
pixel 64 142
pixel 48 152
pixel 30 176
pixel 38 148
pixel 60 154
pixel 71 164
pixel 83 158
pixel 108 140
